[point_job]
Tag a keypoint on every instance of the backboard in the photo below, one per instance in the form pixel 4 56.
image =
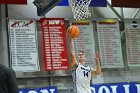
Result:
pixel 44 6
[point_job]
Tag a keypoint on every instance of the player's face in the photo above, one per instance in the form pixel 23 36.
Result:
pixel 81 56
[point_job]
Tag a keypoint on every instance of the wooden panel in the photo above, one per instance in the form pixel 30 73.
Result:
pixel 126 3
pixel 13 1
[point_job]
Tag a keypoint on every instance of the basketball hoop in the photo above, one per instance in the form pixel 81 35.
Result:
pixel 80 8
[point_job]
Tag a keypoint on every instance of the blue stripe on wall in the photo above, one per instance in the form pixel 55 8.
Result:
pixel 95 3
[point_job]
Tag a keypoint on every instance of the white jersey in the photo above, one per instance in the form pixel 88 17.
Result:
pixel 81 79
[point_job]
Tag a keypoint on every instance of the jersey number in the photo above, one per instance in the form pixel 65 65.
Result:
pixel 85 73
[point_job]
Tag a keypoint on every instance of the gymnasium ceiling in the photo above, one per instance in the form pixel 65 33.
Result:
pixel 30 11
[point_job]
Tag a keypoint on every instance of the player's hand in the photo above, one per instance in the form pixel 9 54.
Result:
pixel 97 56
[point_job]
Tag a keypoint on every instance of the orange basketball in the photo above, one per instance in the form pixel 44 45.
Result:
pixel 73 31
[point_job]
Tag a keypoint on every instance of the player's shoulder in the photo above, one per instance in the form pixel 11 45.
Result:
pixel 6 69
pixel 84 66
pixel 3 68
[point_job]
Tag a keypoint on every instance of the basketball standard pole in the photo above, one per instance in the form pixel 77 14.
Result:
pixel 117 14
pixel 136 13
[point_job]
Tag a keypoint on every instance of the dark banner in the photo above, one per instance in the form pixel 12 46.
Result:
pixel 13 1
pixel 55 47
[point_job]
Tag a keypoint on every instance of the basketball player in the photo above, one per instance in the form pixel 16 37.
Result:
pixel 82 73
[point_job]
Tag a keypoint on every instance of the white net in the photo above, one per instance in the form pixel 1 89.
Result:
pixel 80 8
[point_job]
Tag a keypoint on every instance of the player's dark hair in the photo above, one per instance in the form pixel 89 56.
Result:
pixel 81 51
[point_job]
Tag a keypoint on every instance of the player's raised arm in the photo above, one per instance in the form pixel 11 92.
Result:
pixel 98 67
pixel 73 57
